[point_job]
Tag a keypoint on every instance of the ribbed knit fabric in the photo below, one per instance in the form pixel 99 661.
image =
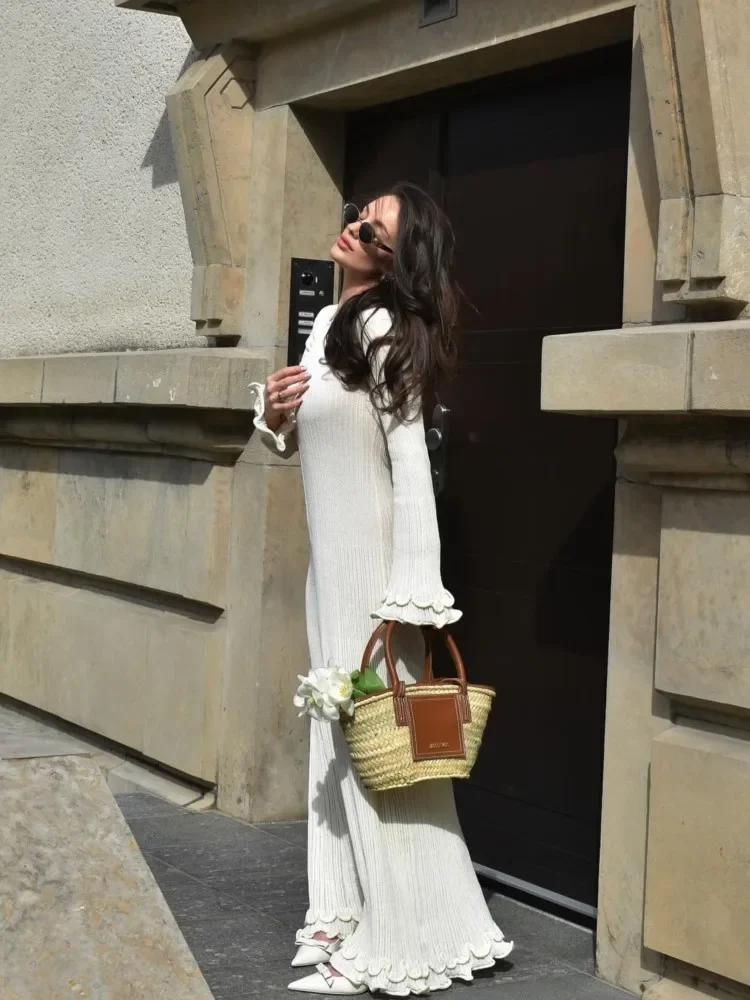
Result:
pixel 389 872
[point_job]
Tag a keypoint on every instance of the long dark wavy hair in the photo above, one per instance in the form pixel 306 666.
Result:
pixel 422 299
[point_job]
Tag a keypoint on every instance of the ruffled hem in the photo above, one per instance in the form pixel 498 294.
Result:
pixel 279 437
pixel 400 981
pixel 340 924
pixel 434 611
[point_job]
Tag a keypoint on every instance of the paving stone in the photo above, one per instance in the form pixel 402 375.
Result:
pixel 565 945
pixel 191 900
pixel 568 986
pixel 285 889
pixel 248 981
pixel 290 919
pixel 191 829
pixel 292 833
pixel 250 851
pixel 242 938
pixel 141 805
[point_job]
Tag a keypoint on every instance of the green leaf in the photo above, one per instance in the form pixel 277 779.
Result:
pixel 367 682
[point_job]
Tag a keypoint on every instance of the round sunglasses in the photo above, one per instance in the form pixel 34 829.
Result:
pixel 366 233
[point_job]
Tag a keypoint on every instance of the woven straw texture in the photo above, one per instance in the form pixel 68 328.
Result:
pixel 381 750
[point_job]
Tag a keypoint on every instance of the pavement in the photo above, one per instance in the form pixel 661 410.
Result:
pixel 239 894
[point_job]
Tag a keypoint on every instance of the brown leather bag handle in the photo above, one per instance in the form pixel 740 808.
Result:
pixel 385 630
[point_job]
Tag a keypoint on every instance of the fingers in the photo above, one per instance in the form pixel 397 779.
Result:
pixel 285 389
pixel 288 402
pixel 282 381
pixel 294 370
pixel 290 384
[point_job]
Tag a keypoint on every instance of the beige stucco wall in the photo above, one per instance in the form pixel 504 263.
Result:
pixel 93 243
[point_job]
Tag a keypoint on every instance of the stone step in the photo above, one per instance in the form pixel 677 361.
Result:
pixel 81 913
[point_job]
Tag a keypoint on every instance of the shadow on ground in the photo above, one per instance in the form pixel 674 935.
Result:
pixel 239 894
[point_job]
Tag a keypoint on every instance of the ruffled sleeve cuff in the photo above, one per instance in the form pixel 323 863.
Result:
pixel 278 440
pixel 435 611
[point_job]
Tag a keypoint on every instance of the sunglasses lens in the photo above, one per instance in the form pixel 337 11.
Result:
pixel 366 233
pixel 351 214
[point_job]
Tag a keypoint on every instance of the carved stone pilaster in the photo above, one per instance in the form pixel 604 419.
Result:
pixel 211 117
pixel 698 79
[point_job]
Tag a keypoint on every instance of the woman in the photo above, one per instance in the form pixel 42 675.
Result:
pixel 394 901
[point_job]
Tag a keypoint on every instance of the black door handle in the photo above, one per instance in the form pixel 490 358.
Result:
pixel 436 438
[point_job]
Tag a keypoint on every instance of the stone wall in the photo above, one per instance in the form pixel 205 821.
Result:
pixel 93 243
pixel 673 913
pixel 152 558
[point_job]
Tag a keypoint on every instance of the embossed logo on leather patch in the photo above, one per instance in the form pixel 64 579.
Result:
pixel 435 727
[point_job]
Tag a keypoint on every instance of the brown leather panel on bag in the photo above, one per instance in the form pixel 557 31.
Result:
pixel 435 719
pixel 436 726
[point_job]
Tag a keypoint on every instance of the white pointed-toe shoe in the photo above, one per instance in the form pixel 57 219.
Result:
pixel 314 953
pixel 325 984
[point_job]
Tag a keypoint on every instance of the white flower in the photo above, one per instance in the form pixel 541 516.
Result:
pixel 340 687
pixel 324 694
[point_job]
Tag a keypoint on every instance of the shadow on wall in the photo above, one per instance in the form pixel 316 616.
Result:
pixel 160 154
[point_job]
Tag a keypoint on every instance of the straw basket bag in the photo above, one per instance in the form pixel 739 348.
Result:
pixel 417 732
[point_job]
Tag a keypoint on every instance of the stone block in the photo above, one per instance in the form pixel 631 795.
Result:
pixel 95 662
pixel 241 666
pixel 117 667
pixel 182 711
pixel 28 502
pixel 617 371
pixel 223 379
pixel 338 59
pixel 621 958
pixel 21 380
pixel 642 298
pixel 80 378
pixel 153 378
pixel 26 609
pixel 212 378
pixel 211 116
pixel 208 23
pixel 697 904
pixel 294 210
pixel 263 750
pixel 153 521
pixel 674 222
pixel 703 623
pixel 721 363
pixel 216 378
pixel 77 895
pixel 282 739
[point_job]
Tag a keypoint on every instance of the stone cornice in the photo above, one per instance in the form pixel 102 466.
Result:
pixel 685 368
pixel 216 435
pixel 258 21
pixel 195 404
pixel 209 378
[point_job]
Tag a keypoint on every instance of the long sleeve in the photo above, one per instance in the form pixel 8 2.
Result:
pixel 282 441
pixel 415 593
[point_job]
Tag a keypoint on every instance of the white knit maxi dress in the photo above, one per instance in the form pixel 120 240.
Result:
pixel 389 872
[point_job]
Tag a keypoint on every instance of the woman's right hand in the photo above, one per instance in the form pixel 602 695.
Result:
pixel 284 392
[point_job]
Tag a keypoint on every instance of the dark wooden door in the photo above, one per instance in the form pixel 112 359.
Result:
pixel 530 167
